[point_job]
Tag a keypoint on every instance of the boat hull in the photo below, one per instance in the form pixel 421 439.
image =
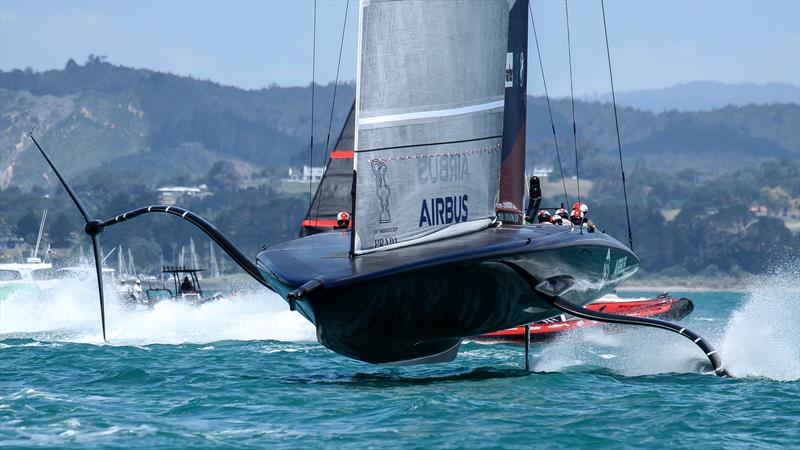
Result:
pixel 543 331
pixel 385 311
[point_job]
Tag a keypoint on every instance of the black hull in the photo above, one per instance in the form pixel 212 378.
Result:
pixel 378 309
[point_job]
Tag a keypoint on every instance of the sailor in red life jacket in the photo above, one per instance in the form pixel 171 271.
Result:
pixel 342 220
pixel 543 216
pixel 578 216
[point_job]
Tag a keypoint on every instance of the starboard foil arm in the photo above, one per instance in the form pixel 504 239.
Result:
pixel 552 289
pixel 94 227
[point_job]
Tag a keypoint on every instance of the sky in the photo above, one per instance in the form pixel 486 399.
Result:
pixel 257 43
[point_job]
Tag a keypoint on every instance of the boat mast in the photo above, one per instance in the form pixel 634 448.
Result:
pixel 212 259
pixel 193 255
pixel 121 263
pixel 39 236
pixel 130 263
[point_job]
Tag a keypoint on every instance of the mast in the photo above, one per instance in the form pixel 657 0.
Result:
pixel 512 169
pixel 131 266
pixel 121 263
pixel 193 255
pixel 35 251
pixel 212 258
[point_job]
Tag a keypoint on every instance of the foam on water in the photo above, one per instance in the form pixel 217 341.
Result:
pixel 762 338
pixel 759 339
pixel 69 311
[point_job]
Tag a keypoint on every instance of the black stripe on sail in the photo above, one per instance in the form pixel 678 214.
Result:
pixel 430 143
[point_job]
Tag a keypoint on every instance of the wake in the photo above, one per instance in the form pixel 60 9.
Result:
pixel 763 336
pixel 759 338
pixel 68 311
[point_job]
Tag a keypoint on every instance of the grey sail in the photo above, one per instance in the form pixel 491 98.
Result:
pixel 429 119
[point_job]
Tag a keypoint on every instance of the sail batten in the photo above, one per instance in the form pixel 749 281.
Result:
pixel 429 119
pixel 431 114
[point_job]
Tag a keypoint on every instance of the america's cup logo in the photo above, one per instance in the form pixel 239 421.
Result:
pixel 381 189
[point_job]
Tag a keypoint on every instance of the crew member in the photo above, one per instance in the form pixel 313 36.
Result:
pixel 582 207
pixel 578 216
pixel 555 219
pixel 342 220
pixel 186 285
pixel 543 216
pixel 563 213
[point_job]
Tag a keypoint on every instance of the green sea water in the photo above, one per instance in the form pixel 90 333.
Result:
pixel 245 372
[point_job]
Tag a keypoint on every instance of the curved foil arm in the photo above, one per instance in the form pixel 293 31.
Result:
pixel 201 223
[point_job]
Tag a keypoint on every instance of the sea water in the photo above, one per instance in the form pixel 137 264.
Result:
pixel 245 372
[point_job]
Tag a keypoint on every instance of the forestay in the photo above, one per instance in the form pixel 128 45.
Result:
pixel 429 119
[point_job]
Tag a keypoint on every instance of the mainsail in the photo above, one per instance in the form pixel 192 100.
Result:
pixel 333 192
pixel 429 119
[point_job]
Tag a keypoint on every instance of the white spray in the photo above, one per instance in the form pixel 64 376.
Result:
pixel 68 311
pixel 762 338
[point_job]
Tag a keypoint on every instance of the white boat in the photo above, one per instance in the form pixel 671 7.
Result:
pixel 24 276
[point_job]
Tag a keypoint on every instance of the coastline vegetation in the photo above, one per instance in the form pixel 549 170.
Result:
pixel 714 196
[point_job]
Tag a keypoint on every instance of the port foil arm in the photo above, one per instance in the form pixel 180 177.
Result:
pixel 204 226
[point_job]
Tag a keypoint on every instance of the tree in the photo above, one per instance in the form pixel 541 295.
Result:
pixel 61 230
pixel 28 227
pixel 223 177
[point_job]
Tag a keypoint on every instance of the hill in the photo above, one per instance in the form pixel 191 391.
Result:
pixel 710 191
pixel 151 127
pixel 704 96
pixel 725 139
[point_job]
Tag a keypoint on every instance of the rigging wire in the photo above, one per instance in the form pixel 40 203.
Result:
pixel 313 71
pixel 572 98
pixel 336 82
pixel 549 109
pixel 333 103
pixel 616 124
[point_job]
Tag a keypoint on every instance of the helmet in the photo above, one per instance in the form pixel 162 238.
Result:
pixel 576 217
pixel 563 213
pixel 343 219
pixel 543 216
pixel 555 219
pixel 582 207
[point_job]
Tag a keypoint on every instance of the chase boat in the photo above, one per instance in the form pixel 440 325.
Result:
pixel 663 307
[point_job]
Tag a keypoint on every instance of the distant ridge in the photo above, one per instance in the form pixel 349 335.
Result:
pixel 150 127
pixel 704 96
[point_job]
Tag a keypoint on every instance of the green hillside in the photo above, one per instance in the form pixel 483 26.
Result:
pixel 154 126
pixel 712 192
pixel 151 124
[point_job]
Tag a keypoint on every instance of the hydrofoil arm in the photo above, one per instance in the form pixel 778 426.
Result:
pixel 552 289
